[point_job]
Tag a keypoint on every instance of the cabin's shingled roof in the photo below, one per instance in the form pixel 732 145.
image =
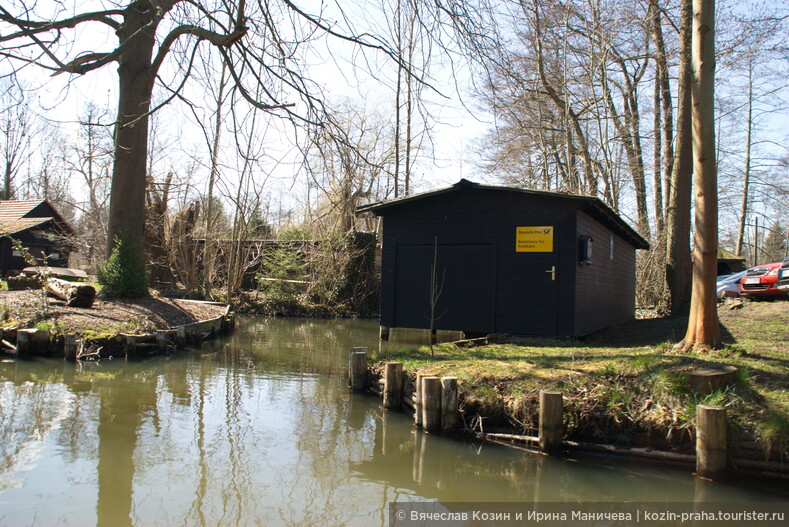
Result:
pixel 15 216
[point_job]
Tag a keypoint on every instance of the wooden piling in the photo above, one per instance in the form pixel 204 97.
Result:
pixel 32 342
pixel 383 333
pixel 358 369
pixel 551 422
pixel 161 341
pixel 393 385
pixel 44 343
pixel 180 337
pixel 228 322
pixel 72 347
pixel 450 412
pixel 431 404
pixel 130 346
pixel 711 443
pixel 715 377
pixel 23 338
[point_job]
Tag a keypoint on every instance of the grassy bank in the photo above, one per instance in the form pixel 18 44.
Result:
pixel 627 385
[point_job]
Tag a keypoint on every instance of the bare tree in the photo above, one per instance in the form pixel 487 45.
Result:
pixel 746 173
pixel 664 125
pixel 46 176
pixel 568 99
pixel 16 129
pixel 90 158
pixel 271 35
pixel 349 163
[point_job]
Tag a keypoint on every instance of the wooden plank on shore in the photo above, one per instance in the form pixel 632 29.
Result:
pixel 206 302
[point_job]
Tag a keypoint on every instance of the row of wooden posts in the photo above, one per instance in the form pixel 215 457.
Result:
pixel 436 410
pixel 39 342
pixel 435 402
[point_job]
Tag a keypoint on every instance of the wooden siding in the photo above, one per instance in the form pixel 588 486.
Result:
pixel 605 290
pixel 465 301
pixel 491 288
pixel 488 286
pixel 29 239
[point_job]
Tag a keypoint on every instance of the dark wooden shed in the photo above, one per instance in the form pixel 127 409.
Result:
pixel 510 260
pixel 39 228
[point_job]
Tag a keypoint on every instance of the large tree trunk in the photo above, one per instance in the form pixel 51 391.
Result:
pixel 663 120
pixel 633 147
pixel 135 80
pixel 703 329
pixel 678 262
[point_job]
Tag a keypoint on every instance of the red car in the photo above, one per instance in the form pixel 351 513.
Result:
pixel 762 282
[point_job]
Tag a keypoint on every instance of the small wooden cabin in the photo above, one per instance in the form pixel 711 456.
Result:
pixel 508 260
pixel 729 263
pixel 40 229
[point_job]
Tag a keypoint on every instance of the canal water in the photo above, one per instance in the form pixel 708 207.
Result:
pixel 260 429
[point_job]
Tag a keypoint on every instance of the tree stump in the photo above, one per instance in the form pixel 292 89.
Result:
pixel 710 378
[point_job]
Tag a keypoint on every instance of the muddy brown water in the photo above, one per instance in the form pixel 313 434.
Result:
pixel 260 429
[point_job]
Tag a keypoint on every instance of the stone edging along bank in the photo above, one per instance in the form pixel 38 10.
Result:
pixel 24 343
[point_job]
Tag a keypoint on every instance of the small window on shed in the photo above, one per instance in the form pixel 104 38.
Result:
pixel 585 250
pixel 610 247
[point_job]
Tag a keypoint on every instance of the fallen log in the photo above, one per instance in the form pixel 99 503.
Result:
pixel 75 294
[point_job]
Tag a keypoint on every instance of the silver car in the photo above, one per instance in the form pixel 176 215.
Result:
pixel 729 285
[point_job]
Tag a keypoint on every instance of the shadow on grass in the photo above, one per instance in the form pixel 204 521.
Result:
pixel 648 332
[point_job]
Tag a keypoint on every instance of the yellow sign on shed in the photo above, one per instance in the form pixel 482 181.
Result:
pixel 534 239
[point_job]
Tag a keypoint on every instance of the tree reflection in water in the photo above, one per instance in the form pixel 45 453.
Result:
pixel 258 429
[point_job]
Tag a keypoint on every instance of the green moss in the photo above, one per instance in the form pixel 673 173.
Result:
pixel 51 326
